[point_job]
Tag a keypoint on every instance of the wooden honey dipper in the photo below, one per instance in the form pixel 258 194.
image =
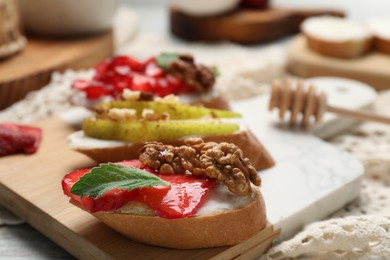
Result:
pixel 309 104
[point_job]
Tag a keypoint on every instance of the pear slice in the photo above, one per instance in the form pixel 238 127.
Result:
pixel 176 111
pixel 141 131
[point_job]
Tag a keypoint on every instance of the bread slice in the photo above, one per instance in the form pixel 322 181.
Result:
pixel 223 228
pixel 381 30
pixel 113 151
pixel 336 37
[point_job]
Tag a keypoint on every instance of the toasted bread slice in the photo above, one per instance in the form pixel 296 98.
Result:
pixel 112 151
pixel 381 31
pixel 336 37
pixel 223 228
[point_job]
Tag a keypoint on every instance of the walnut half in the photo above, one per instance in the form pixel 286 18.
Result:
pixel 198 77
pixel 221 161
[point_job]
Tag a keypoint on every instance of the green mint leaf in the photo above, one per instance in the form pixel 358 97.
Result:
pixel 215 71
pixel 164 59
pixel 108 176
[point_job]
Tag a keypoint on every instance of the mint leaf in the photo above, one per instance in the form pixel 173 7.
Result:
pixel 164 59
pixel 108 176
pixel 215 71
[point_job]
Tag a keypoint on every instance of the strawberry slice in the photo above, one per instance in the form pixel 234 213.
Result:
pixel 141 83
pixel 70 179
pixel 110 200
pixel 114 75
pixel 15 138
pixel 182 199
pixel 125 61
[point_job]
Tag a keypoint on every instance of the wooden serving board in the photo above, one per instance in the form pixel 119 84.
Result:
pixel 30 186
pixel 245 26
pixel 32 67
pixel 372 68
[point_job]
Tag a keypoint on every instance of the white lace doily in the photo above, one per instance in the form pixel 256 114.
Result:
pixel 340 238
pixel 359 230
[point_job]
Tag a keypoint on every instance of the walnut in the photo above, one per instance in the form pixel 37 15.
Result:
pixel 198 77
pixel 130 95
pixel 122 114
pixel 220 161
pixel 169 99
pixel 150 115
pixel 146 97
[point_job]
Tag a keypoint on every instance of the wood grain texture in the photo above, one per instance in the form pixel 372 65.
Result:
pixel 245 26
pixel 31 68
pixel 372 68
pixel 30 186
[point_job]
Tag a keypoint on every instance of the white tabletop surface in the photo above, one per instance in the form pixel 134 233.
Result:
pixel 23 242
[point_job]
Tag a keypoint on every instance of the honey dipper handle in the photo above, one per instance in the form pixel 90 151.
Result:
pixel 360 115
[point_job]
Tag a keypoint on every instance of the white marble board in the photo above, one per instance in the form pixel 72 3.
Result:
pixel 311 178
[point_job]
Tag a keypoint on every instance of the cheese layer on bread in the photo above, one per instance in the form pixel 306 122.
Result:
pixel 219 199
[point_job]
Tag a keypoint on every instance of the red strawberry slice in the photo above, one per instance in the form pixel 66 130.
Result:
pixel 15 138
pixel 70 179
pixel 114 75
pixel 141 83
pixel 153 70
pixel 125 61
pixel 110 200
pixel 182 199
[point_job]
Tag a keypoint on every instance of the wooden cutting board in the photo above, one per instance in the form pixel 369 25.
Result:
pixel 32 67
pixel 372 68
pixel 30 186
pixel 245 26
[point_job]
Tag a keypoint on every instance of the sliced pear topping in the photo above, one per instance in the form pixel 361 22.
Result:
pixel 141 131
pixel 176 111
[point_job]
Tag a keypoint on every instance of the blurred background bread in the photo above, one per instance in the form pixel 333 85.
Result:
pixel 381 29
pixel 336 37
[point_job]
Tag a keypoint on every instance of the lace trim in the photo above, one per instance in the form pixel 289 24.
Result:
pixel 341 238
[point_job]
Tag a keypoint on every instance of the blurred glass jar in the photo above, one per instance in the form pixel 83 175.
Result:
pixel 67 17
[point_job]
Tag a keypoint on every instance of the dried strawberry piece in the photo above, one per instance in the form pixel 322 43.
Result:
pixel 16 138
